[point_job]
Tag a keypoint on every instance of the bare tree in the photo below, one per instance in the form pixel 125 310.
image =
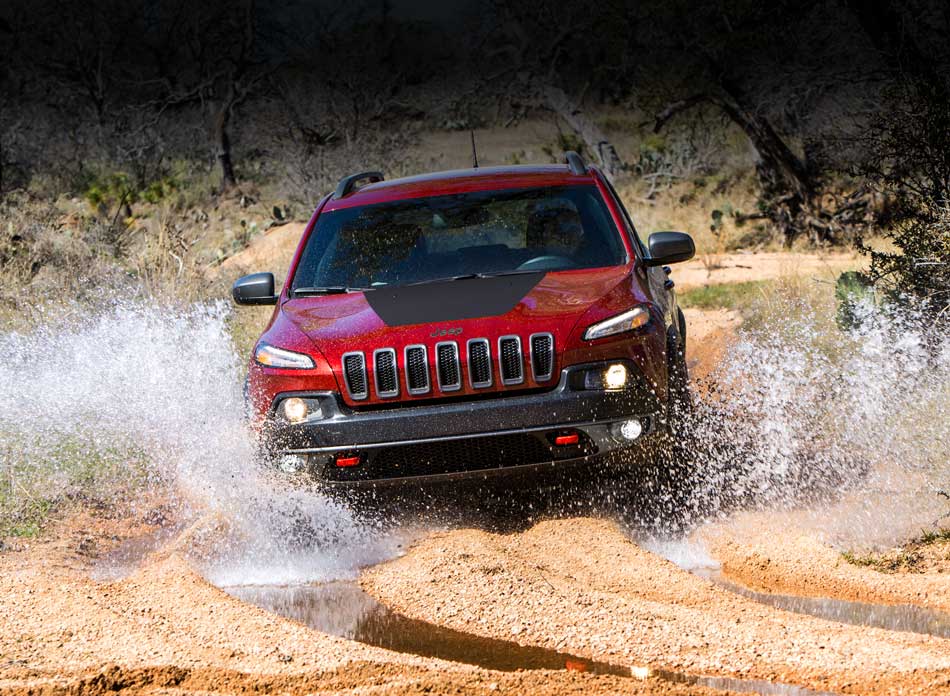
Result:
pixel 540 46
pixel 208 54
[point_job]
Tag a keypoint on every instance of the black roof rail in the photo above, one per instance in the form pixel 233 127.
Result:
pixel 575 163
pixel 348 183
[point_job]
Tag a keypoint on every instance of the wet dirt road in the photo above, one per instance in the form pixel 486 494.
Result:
pixel 564 606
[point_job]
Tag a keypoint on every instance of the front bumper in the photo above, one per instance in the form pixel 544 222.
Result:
pixel 446 441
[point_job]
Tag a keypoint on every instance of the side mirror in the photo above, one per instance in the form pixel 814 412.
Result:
pixel 254 289
pixel 670 247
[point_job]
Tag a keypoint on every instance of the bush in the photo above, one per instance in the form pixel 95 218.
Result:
pixel 910 164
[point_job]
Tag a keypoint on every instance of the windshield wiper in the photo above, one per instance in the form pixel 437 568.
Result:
pixel 502 274
pixel 470 276
pixel 326 290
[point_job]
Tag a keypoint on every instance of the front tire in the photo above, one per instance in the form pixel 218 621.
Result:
pixel 680 401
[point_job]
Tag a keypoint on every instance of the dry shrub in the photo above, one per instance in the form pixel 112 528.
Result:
pixel 45 255
pixel 312 171
pixel 49 257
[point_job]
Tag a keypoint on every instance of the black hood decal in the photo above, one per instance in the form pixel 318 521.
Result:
pixel 451 300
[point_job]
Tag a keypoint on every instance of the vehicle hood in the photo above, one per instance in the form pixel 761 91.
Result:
pixel 520 303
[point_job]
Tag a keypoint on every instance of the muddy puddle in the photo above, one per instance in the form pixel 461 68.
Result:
pixel 902 617
pixel 343 609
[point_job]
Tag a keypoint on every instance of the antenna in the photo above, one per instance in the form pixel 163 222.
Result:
pixel 474 153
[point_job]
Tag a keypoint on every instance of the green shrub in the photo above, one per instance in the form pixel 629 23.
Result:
pixel 108 192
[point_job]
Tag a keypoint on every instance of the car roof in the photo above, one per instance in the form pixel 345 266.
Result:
pixel 461 181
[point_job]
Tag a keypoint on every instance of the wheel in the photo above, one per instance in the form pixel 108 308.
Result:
pixel 680 404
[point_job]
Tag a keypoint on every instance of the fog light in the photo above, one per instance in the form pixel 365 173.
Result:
pixel 615 376
pixel 295 410
pixel 291 463
pixel 631 429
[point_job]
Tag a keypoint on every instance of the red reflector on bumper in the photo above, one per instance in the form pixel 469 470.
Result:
pixel 571 439
pixel 348 461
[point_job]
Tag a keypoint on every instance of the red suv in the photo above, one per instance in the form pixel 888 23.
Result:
pixel 469 324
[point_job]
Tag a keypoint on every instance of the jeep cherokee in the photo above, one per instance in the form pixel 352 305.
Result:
pixel 486 322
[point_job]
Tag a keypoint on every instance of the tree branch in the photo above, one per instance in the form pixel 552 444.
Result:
pixel 670 111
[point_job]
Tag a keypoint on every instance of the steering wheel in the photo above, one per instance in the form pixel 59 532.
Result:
pixel 546 262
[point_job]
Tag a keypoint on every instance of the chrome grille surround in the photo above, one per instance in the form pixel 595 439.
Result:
pixel 354 375
pixel 510 360
pixel 385 373
pixel 542 358
pixel 444 370
pixel 479 363
pixel 413 366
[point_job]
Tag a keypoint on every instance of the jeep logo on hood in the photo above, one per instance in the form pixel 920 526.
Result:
pixel 446 332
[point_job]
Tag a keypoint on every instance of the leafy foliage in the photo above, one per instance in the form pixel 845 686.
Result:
pixel 911 166
pixel 118 189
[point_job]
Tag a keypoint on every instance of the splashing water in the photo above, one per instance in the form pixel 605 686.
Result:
pixel 151 395
pixel 802 411
pixel 148 395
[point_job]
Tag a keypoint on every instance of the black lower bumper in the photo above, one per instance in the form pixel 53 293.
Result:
pixel 501 436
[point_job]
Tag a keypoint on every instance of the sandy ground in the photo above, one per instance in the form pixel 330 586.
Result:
pixel 715 269
pixel 809 561
pixel 579 585
pixel 272 252
pixel 166 630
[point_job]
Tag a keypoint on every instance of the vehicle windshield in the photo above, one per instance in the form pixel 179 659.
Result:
pixel 480 233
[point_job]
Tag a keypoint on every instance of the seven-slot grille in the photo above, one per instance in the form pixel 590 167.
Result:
pixel 447 366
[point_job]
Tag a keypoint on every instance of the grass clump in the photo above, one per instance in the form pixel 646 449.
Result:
pixel 27 520
pixel 911 558
pixel 737 296
pixel 36 483
pixel 896 561
pixel 933 536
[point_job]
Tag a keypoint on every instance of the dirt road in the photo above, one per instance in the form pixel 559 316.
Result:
pixel 576 585
pixel 580 585
pixel 167 630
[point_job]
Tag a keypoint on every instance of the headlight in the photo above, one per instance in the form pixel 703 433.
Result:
pixel 609 377
pixel 615 376
pixel 270 356
pixel 628 321
pixel 300 410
